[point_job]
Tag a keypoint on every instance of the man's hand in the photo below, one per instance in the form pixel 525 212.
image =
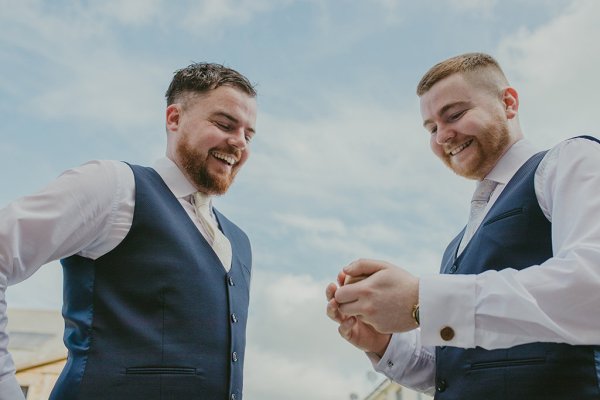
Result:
pixel 359 334
pixel 384 300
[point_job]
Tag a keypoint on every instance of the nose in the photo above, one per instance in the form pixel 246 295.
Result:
pixel 237 139
pixel 444 134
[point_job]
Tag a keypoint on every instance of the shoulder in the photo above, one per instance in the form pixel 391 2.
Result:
pixel 100 186
pixel 579 147
pixel 96 171
pixel 572 165
pixel 102 169
pixel 569 154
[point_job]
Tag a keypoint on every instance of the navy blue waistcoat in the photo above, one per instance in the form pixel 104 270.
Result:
pixel 158 317
pixel 516 234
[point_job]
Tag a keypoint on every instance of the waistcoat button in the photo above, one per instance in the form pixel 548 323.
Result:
pixel 234 357
pixel 440 385
pixel 234 318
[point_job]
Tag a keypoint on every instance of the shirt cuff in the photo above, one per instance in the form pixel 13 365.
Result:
pixel 10 389
pixel 447 310
pixel 397 356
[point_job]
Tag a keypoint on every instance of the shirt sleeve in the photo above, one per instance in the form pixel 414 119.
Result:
pixel 556 301
pixel 407 362
pixel 78 213
pixel 10 389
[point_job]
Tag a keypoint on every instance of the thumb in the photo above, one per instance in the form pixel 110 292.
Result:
pixel 364 267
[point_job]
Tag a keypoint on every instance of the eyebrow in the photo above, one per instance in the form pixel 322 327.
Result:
pixel 231 118
pixel 445 108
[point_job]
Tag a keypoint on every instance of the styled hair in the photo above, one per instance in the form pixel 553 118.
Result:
pixel 199 78
pixel 468 64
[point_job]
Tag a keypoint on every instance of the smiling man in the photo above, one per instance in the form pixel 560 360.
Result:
pixel 513 314
pixel 156 281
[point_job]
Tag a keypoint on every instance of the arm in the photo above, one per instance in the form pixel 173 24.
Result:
pixel 71 215
pixel 556 301
pixel 400 357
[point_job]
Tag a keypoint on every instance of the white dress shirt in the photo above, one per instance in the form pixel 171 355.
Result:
pixel 86 211
pixel 557 301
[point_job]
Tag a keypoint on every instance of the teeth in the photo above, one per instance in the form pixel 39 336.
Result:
pixel 460 148
pixel 225 157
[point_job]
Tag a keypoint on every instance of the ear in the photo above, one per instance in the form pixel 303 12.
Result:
pixel 173 113
pixel 510 99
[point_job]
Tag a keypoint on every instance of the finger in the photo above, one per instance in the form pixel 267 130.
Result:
pixel 346 294
pixel 364 267
pixel 330 291
pixel 333 311
pixel 353 279
pixel 345 328
pixel 350 309
pixel 341 278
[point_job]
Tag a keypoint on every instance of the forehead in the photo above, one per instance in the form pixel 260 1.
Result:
pixel 453 89
pixel 223 95
pixel 450 87
pixel 225 99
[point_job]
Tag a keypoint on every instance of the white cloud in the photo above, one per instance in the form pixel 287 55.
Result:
pixel 212 16
pixel 43 290
pixel 293 348
pixel 358 145
pixel 360 181
pixel 86 76
pixel 296 379
pixel 482 7
pixel 555 67
pixel 131 12
pixel 312 225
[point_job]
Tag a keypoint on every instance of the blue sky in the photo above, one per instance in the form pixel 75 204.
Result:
pixel 340 167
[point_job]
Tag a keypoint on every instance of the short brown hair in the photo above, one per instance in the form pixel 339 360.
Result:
pixel 198 78
pixel 465 64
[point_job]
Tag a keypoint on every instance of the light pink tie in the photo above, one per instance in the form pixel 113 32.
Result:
pixel 482 195
pixel 220 243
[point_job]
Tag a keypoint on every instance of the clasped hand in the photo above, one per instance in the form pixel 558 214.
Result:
pixel 372 300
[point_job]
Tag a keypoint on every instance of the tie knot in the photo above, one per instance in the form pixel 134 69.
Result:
pixel 201 200
pixel 484 190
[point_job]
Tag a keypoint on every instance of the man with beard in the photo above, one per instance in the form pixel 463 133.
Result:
pixel 156 281
pixel 513 314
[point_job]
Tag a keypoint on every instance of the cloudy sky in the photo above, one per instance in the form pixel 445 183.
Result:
pixel 341 166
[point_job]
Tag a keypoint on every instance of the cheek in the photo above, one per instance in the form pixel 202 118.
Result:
pixel 244 158
pixel 435 147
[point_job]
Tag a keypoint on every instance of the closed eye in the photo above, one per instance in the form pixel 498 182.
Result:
pixel 456 116
pixel 222 126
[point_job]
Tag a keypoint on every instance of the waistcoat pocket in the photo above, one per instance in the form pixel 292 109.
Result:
pixel 160 371
pixel 506 214
pixel 508 363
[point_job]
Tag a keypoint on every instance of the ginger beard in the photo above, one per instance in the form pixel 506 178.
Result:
pixel 489 147
pixel 195 163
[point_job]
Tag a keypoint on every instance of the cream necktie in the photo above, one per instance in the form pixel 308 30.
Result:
pixel 220 243
pixel 482 195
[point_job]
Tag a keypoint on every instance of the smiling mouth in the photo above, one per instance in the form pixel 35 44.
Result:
pixel 460 148
pixel 227 158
